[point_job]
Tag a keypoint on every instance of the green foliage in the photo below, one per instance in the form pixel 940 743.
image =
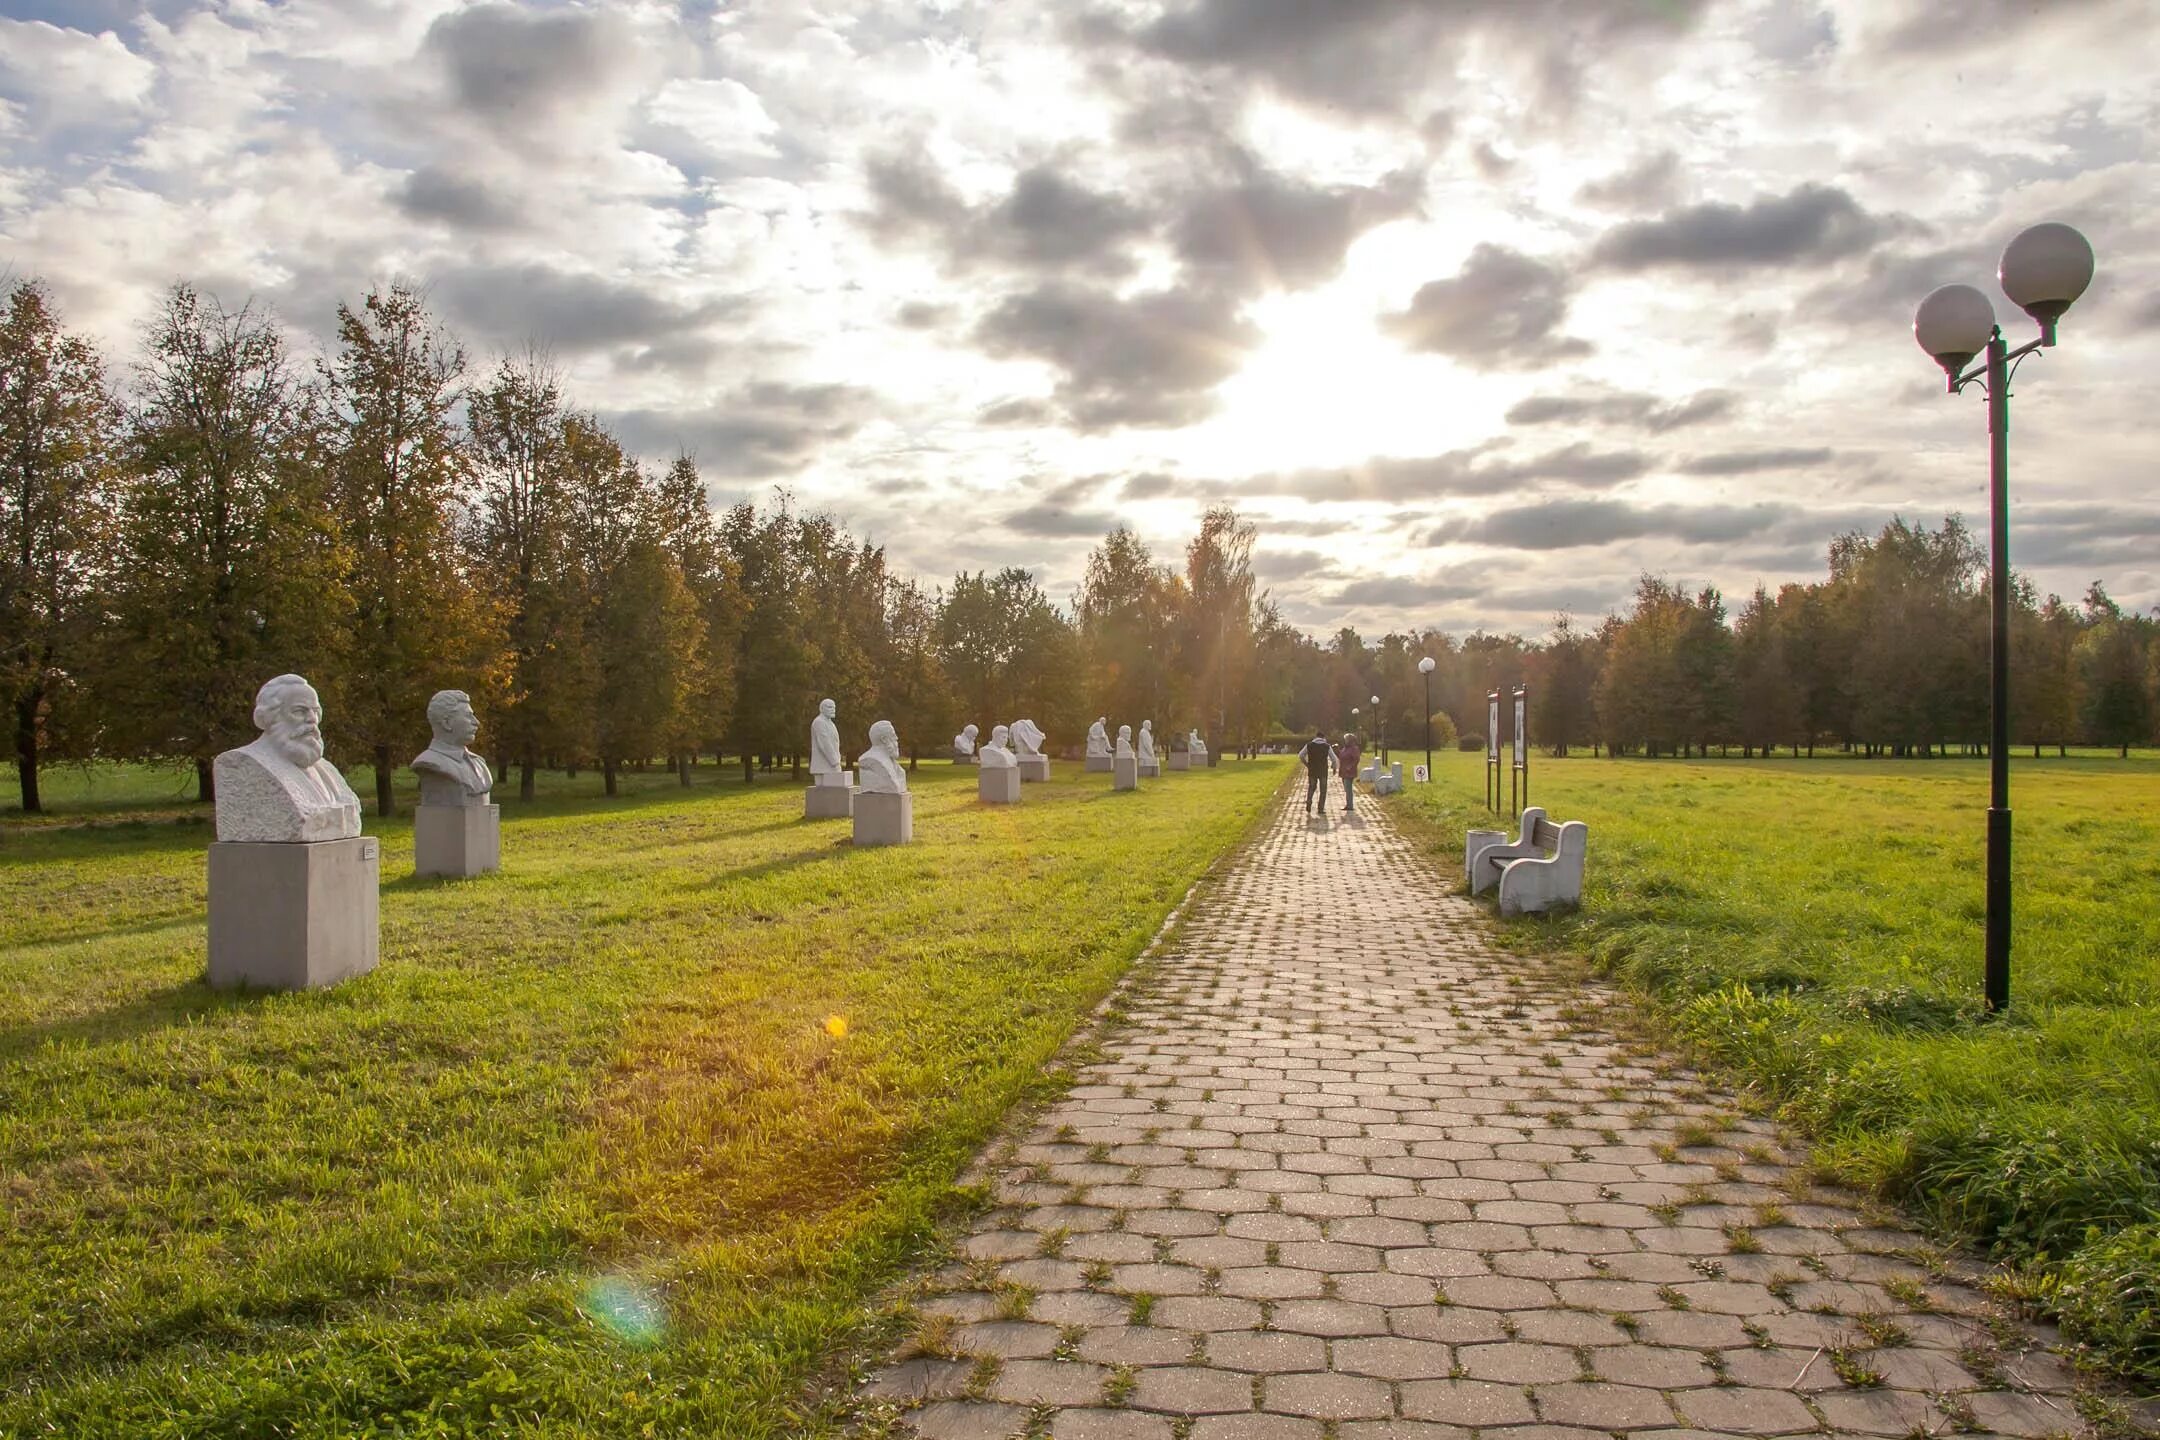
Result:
pixel 2109 1292
pixel 1814 930
pixel 585 1156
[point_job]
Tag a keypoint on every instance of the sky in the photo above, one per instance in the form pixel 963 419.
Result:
pixel 1479 308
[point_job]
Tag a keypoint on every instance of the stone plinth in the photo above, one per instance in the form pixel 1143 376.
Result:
pixel 293 916
pixel 829 802
pixel 1098 764
pixel 884 819
pixel 1034 768
pixel 457 840
pixel 1125 773
pixel 1180 760
pixel 1150 769
pixel 998 785
pixel 1476 843
pixel 959 759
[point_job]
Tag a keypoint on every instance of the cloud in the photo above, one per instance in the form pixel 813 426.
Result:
pixel 1622 407
pixel 1566 524
pixel 1047 221
pixel 1403 592
pixel 1809 225
pixel 1149 359
pixel 1649 183
pixel 568 310
pixel 463 202
pixel 1377 56
pixel 1023 410
pixel 922 315
pixel 764 429
pixel 1751 462
pixel 1294 564
pixel 1057 522
pixel 1268 230
pixel 1483 470
pixel 69 76
pixel 527 74
pixel 1502 311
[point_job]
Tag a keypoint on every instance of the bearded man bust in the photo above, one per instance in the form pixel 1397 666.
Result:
pixel 280 788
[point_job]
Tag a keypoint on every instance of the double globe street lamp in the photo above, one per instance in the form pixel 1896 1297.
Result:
pixel 2043 271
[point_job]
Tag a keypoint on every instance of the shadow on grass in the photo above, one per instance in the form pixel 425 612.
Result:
pixel 182 1003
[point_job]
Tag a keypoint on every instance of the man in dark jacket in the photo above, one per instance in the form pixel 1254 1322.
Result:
pixel 1319 756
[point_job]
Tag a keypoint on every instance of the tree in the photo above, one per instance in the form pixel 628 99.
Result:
pixel 913 691
pixel 228 567
pixel 57 428
pixel 519 531
pixel 2115 702
pixel 715 584
pixel 1126 617
pixel 1766 697
pixel 397 465
pixel 1563 679
pixel 776 655
pixel 649 637
pixel 1216 644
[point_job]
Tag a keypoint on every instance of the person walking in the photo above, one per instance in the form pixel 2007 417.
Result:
pixel 1346 762
pixel 1318 755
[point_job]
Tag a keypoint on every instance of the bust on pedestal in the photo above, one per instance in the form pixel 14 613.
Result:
pixel 1098 746
pixel 294 885
pixel 456 830
pixel 1150 766
pixel 1028 737
pixel 999 782
pixel 963 745
pixel 1124 765
pixel 884 810
pixel 828 797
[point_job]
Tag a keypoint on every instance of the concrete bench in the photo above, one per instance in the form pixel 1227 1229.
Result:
pixel 1541 868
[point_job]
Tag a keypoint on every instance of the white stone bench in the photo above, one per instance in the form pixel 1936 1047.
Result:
pixel 1541 868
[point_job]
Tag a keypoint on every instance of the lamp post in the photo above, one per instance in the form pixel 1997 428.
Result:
pixel 1425 668
pixel 2043 271
pixel 1379 728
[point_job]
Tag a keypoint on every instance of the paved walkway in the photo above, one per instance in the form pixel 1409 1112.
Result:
pixel 1348 1173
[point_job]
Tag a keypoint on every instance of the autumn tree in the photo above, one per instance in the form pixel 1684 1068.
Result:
pixel 57 429
pixel 693 538
pixel 397 464
pixel 229 568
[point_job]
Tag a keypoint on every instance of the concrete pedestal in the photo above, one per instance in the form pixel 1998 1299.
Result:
pixel 1098 764
pixel 1034 768
pixel 959 759
pixel 1150 769
pixel 1125 772
pixel 1476 843
pixel 457 840
pixel 998 785
pixel 1180 760
pixel 829 802
pixel 294 916
pixel 882 819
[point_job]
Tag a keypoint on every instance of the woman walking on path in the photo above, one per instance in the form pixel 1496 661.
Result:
pixel 1346 758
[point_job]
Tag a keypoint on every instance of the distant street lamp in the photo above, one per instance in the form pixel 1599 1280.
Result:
pixel 1425 668
pixel 2043 271
pixel 1380 726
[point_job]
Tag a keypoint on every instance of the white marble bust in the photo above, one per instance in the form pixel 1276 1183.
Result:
pixel 825 741
pixel 964 742
pixel 879 772
pixel 280 788
pixel 1028 735
pixel 1147 740
pixel 997 754
pixel 1124 742
pixel 450 773
pixel 1098 738
pixel 1193 742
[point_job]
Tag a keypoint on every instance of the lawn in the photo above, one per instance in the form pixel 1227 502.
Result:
pixel 1814 927
pixel 620 1142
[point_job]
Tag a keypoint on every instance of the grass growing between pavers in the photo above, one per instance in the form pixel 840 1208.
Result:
pixel 620 1142
pixel 1814 928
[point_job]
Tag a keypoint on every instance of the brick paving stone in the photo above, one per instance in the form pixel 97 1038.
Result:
pixel 1381 1178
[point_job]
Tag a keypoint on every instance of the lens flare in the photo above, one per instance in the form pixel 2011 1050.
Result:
pixel 836 1026
pixel 626 1309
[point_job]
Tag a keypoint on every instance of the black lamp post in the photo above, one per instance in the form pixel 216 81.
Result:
pixel 1425 668
pixel 1379 721
pixel 2043 270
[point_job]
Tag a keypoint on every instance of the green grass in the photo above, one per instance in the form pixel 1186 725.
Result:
pixel 1815 928
pixel 583 1157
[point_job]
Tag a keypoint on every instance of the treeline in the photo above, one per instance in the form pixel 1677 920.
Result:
pixel 389 522
pixel 1887 655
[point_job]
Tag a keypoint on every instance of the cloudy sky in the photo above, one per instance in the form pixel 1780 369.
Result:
pixel 1480 307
